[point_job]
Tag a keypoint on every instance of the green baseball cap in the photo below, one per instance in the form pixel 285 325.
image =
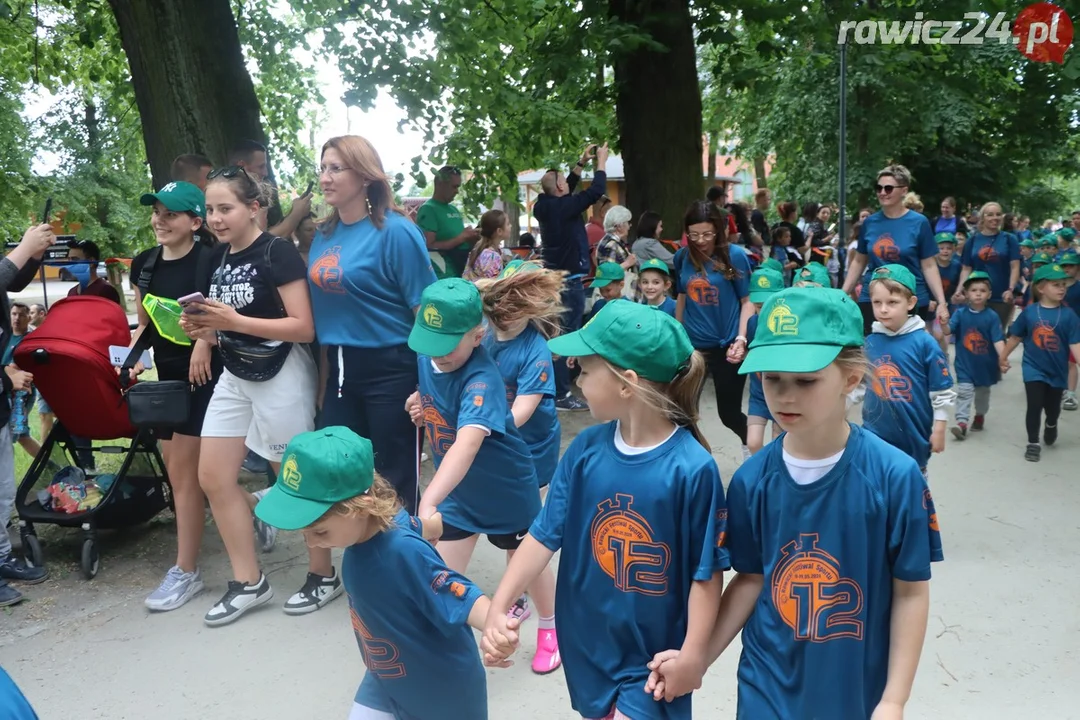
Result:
pixel 1048 240
pixel 1069 258
pixel 607 273
pixel 631 336
pixel 773 264
pixel 1042 257
pixel 519 266
pixel 945 237
pixel 814 272
pixel 319 469
pixel 448 309
pixel 1038 233
pixel 1067 233
pixel 977 275
pixel 179 197
pixel 1051 272
pixel 802 330
pixel 765 283
pixel 899 273
pixel 652 264
pixel 1026 242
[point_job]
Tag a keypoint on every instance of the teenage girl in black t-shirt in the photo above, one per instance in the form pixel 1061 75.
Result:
pixel 178 268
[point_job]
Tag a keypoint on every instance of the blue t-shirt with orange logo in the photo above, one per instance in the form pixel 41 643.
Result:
pixel 410 615
pixel 950 276
pixel 635 531
pixel 993 254
pixel 1047 334
pixel 829 552
pixel 757 406
pixel 500 493
pixel 365 282
pixel 976 358
pixel 713 303
pixel 904 369
pixel 906 240
pixel 525 365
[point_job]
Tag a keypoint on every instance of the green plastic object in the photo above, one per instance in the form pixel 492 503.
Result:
pixel 165 314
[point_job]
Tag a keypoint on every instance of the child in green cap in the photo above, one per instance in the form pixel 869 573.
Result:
pixel 485 476
pixel 949 267
pixel 654 282
pixel 814 274
pixel 637 510
pixel 911 388
pixel 1050 332
pixel 608 282
pixel 411 613
pixel 763 285
pixel 827 511
pixel 980 341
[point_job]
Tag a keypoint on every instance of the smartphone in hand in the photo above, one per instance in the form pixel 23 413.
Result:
pixel 310 185
pixel 48 211
pixel 191 302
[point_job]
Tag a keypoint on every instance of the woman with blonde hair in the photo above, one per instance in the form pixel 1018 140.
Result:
pixel 368 267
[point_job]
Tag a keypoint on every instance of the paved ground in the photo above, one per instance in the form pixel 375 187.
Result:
pixel 1001 644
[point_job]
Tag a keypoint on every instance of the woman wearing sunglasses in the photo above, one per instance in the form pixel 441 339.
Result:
pixel 896 234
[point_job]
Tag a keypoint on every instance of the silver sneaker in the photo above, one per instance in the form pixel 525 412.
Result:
pixel 265 535
pixel 176 589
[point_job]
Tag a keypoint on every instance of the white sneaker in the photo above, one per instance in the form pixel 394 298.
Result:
pixel 176 589
pixel 746 454
pixel 316 592
pixel 237 600
pixel 265 535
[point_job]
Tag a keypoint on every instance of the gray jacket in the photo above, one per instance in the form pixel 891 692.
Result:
pixel 649 248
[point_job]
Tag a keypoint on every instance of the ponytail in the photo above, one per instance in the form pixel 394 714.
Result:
pixel 490 223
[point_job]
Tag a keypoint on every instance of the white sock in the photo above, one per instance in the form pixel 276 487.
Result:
pixel 546 623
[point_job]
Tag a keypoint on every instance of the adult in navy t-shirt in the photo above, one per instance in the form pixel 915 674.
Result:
pixel 997 253
pixel 368 266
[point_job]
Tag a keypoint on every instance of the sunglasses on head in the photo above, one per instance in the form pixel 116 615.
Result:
pixel 228 172
pixel 887 188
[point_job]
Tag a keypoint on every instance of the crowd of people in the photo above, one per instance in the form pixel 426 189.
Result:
pixel 336 349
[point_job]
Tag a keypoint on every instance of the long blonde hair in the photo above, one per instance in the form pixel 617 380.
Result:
pixel 490 224
pixel 678 399
pixel 532 293
pixel 361 157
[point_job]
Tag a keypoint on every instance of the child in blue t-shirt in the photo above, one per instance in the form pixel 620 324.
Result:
pixel 910 388
pixel 608 283
pixel 1049 332
pixel 485 477
pixel 654 282
pixel 979 342
pixel 637 510
pixel 764 284
pixel 831 532
pixel 523 307
pixel 410 612
pixel 1070 263
pixel 949 267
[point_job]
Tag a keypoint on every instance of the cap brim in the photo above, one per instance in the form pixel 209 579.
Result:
pixel 599 283
pixel 288 512
pixel 570 345
pixel 760 296
pixel 789 358
pixel 432 344
pixel 168 201
pixel 149 199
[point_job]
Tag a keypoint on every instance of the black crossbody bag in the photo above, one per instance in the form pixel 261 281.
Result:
pixel 250 361
pixel 156 403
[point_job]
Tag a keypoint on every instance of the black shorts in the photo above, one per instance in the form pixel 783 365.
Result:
pixel 867 309
pixel 507 541
pixel 200 400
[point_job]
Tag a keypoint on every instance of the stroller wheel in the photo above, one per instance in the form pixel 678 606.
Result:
pixel 32 550
pixel 90 559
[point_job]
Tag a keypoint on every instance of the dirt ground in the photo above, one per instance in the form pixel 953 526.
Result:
pixel 1001 643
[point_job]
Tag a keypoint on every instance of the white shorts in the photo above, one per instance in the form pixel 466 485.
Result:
pixel 267 414
pixel 362 712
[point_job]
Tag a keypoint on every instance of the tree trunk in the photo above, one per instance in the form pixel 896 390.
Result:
pixel 658 106
pixel 192 87
pixel 759 173
pixel 714 140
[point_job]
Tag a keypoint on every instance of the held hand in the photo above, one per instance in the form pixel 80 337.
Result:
pixel 213 315
pixel 20 379
pixel 932 306
pixel 431 528
pixel 681 675
pixel 1007 296
pixel 736 352
pixel 199 368
pixel 1004 365
pixel 655 684
pixel 943 314
pixel 426 510
pixel 501 638
pixel 937 441
pixel 888 711
pixel 38 239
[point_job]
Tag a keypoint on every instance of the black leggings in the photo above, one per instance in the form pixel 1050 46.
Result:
pixel 729 385
pixel 1041 398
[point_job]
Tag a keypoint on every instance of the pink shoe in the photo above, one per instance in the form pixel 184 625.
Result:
pixel 547 657
pixel 520 610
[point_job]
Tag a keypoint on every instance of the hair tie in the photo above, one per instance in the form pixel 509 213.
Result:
pixel 683 370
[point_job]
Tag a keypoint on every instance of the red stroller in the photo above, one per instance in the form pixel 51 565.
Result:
pixel 69 358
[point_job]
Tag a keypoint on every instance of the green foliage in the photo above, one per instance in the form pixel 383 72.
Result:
pixel 975 122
